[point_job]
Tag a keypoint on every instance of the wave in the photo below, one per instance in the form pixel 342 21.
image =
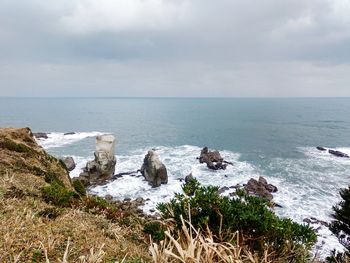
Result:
pixel 57 139
pixel 307 186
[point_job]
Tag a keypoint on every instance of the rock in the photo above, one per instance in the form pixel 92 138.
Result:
pixel 102 167
pixel 127 199
pixel 260 188
pixel 69 133
pixel 207 156
pixel 189 178
pixel 154 170
pixel 313 220
pixel 140 200
pixel 321 148
pixel 70 164
pixel 213 159
pixel 108 197
pixel 223 189
pixel 338 153
pixel 40 135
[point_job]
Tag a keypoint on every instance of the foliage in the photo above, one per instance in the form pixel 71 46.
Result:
pixel 155 229
pixel 57 194
pixel 79 187
pixel 340 226
pixel 13 146
pixel 250 216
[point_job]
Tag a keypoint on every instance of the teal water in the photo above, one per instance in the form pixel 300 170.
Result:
pixel 275 138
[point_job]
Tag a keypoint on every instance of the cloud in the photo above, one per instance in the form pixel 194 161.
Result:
pixel 175 47
pixel 90 16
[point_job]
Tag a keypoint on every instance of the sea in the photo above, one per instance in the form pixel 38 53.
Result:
pixel 271 137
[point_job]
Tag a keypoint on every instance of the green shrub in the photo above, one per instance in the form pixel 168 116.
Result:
pixel 51 177
pixel 155 229
pixel 57 194
pixel 79 187
pixel 340 226
pixel 258 225
pixel 13 146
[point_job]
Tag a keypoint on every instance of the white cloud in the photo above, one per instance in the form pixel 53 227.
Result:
pixel 89 16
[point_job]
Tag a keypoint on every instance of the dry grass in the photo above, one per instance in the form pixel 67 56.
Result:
pixel 74 236
pixel 192 246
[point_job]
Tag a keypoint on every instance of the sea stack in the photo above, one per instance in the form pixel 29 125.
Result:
pixel 154 170
pixel 103 166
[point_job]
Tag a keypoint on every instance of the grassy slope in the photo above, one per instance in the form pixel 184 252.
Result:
pixel 31 229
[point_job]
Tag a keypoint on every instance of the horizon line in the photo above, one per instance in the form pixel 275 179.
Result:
pixel 172 97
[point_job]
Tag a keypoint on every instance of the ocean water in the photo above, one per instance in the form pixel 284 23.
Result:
pixel 274 138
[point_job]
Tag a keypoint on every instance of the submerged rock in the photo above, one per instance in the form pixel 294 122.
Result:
pixel 70 164
pixel 40 135
pixel 69 133
pixel 154 170
pixel 260 188
pixel 338 154
pixel 321 148
pixel 103 166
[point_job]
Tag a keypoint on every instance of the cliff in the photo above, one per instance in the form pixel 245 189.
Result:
pixel 43 218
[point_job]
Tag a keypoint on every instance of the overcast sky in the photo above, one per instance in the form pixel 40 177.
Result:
pixel 264 48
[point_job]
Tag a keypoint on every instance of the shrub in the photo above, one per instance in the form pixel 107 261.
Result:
pixel 79 187
pixel 340 226
pixel 57 194
pixel 155 229
pixel 13 146
pixel 258 226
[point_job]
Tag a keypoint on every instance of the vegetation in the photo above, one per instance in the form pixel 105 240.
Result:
pixel 79 187
pixel 57 194
pixel 13 146
pixel 260 229
pixel 341 226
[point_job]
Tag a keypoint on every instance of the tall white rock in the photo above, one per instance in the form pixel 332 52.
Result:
pixel 102 168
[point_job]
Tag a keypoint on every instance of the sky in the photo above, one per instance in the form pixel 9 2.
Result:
pixel 175 48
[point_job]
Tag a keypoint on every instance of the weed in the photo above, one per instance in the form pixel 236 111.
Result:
pixel 57 194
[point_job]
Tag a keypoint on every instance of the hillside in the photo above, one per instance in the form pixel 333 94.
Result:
pixel 35 227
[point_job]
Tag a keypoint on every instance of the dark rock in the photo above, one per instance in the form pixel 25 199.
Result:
pixel 260 188
pixel 338 153
pixel 109 197
pixel 140 200
pixel 223 189
pixel 313 220
pixel 189 178
pixel 154 170
pixel 119 175
pixel 212 156
pixel 127 199
pixel 69 163
pixel 271 188
pixel 321 148
pixel 213 159
pixel 216 166
pixel 40 135
pixel 69 133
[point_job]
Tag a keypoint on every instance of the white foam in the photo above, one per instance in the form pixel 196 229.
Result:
pixel 57 139
pixel 307 187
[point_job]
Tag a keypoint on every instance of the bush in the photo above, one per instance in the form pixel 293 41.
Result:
pixel 259 227
pixel 57 194
pixel 155 229
pixel 13 146
pixel 340 226
pixel 79 187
